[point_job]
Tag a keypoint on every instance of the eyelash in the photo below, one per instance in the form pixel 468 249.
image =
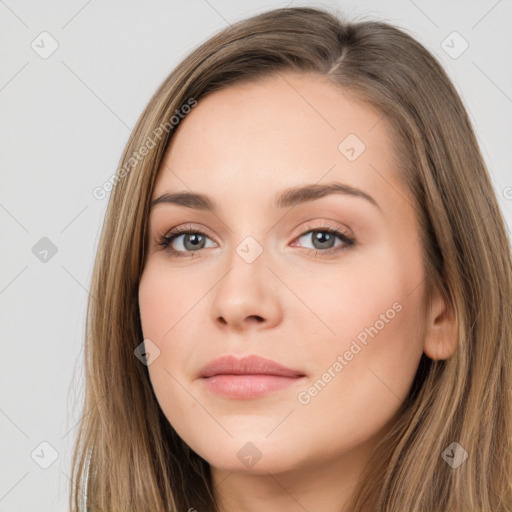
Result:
pixel 167 239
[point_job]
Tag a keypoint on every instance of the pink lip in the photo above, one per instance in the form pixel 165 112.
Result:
pixel 249 377
pixel 248 365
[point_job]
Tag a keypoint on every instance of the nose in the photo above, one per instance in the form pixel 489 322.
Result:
pixel 248 296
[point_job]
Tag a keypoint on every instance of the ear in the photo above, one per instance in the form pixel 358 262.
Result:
pixel 440 329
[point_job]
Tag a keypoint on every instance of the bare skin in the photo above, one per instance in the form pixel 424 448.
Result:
pixel 295 303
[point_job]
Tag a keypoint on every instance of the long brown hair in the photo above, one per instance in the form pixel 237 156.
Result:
pixel 134 458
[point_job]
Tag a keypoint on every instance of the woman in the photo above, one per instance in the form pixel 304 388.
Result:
pixel 301 297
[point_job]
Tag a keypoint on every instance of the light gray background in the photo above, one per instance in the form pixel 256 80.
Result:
pixel 64 122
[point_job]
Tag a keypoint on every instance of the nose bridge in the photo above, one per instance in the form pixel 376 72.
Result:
pixel 247 290
pixel 250 249
pixel 246 262
pixel 248 239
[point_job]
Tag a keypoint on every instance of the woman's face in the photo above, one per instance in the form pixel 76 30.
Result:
pixel 259 273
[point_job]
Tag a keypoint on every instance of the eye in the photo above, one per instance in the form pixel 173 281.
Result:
pixel 185 240
pixel 181 241
pixel 323 240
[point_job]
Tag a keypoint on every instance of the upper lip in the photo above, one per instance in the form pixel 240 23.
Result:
pixel 248 365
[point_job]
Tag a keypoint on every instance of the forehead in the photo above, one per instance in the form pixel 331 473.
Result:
pixel 285 130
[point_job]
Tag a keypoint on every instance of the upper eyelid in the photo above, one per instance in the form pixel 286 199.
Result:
pixel 299 232
pixel 339 229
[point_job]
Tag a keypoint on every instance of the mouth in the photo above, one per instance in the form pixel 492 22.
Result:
pixel 250 377
pixel 246 386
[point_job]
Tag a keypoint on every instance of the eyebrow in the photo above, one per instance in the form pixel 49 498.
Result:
pixel 288 198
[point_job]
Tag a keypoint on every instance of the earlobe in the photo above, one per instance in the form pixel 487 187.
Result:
pixel 440 332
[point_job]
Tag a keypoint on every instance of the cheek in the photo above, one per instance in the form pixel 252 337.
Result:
pixel 367 289
pixel 174 316
pixel 370 357
pixel 155 314
pixel 363 374
pixel 165 305
pixel 165 300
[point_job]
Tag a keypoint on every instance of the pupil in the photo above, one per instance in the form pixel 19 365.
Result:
pixel 190 239
pixel 324 238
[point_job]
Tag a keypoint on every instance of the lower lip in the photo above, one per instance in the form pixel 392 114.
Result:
pixel 247 386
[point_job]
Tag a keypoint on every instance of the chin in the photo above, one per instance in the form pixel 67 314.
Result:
pixel 250 455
